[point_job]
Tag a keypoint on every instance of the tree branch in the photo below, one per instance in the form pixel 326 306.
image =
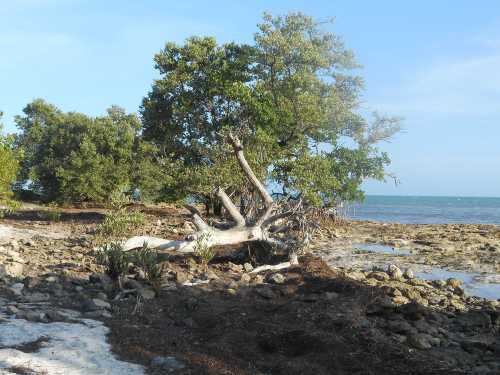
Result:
pixel 231 208
pixel 238 151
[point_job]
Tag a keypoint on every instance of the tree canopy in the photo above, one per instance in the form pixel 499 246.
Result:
pixel 74 157
pixel 293 97
pixel 8 167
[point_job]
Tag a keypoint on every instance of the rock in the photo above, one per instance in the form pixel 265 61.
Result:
pixel 394 272
pixel 12 310
pixel 52 279
pixel 14 245
pixel 258 279
pixel 17 289
pixel 413 311
pixel 56 316
pixel 356 275
pixel 265 292
pixel 235 267
pixel 420 341
pixel 454 283
pixel 96 314
pixel 277 278
pixel 400 300
pixel 182 277
pixel 474 320
pixel 147 293
pixel 102 296
pixel 168 364
pixel 32 316
pixel 31 282
pixel 36 297
pixel 380 276
pixel 245 278
pixel 408 274
pixel 12 269
pixel 439 283
pixel 98 304
pixel 248 267
pixel 100 278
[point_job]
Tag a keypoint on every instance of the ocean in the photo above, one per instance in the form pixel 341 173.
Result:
pixel 426 210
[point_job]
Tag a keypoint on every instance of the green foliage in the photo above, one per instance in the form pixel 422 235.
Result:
pixel 8 169
pixel 118 223
pixel 116 262
pixel 150 262
pixel 292 97
pixel 75 158
pixel 203 249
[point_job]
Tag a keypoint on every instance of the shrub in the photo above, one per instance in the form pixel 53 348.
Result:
pixel 203 249
pixel 149 261
pixel 115 261
pixel 118 223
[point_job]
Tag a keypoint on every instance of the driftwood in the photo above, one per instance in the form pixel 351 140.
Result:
pixel 244 229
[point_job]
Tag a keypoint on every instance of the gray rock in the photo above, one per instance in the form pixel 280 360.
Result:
pixel 17 289
pixel 146 293
pixel 12 310
pixel 36 297
pixel 96 314
pixel 265 292
pixel 97 304
pixel 420 341
pixel 408 274
pixel 100 278
pixel 169 364
pixel 33 316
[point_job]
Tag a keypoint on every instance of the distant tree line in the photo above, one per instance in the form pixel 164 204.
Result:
pixel 292 97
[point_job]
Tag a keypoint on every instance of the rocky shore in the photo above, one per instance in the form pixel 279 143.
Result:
pixel 315 318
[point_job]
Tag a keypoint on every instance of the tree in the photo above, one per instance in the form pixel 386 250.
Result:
pixel 292 98
pixel 8 168
pixel 73 157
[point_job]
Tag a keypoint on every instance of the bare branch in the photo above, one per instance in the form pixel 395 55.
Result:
pixel 231 208
pixel 238 151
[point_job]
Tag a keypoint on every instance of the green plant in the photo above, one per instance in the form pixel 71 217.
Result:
pixel 203 249
pixel 118 223
pixel 150 261
pixel 115 261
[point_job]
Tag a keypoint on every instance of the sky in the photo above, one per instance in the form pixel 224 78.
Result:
pixel 434 63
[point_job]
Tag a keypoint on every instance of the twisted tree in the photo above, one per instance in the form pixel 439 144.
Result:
pixel 243 229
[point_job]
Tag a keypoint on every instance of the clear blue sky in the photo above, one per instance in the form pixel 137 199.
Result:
pixel 436 63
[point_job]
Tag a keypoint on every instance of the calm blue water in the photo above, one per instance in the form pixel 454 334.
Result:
pixel 427 210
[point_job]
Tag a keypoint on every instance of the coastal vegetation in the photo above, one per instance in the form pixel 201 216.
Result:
pixel 292 98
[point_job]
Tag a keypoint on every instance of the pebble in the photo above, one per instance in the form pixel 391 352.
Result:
pixel 394 272
pixel 277 278
pixel 408 274
pixel 248 267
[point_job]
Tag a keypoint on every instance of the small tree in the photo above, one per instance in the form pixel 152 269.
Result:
pixel 8 168
pixel 73 157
